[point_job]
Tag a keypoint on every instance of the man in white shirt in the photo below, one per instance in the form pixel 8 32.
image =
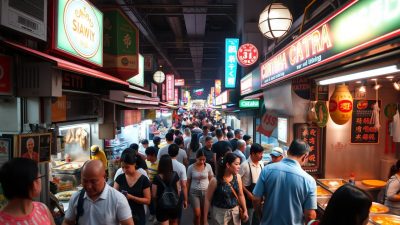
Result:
pixel 241 146
pixel 101 204
pixel 169 137
pixel 182 156
pixel 186 138
pixel 250 171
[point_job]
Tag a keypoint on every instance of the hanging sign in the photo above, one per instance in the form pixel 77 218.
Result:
pixel 223 98
pixel 79 30
pixel 176 100
pixel 362 131
pixel 269 122
pixel 217 87
pixel 139 78
pixel 5 75
pixel 148 62
pixel 163 97
pixel 170 87
pixel 249 103
pixel 358 25
pixel 179 82
pixel 247 54
pixel 322 113
pixel 310 134
pixel 246 84
pixel 231 48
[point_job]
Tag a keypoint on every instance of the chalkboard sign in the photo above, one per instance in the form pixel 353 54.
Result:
pixel 44 147
pixel 362 131
pixel 311 134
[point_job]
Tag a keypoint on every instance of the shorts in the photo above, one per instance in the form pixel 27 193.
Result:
pixel 196 198
pixel 167 214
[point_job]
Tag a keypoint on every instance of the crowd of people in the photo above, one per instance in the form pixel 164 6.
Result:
pixel 215 170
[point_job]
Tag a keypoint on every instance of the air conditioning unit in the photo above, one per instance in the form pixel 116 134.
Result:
pixel 26 16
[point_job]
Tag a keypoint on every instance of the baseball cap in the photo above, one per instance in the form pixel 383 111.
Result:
pixel 277 151
pixel 94 148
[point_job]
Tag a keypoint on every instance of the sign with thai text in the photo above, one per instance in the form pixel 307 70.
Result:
pixel 247 54
pixel 170 94
pixel 79 30
pixel 358 25
pixel 231 48
pixel 217 87
pixel 249 103
pixel 179 82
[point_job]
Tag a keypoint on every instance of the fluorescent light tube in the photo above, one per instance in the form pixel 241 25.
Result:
pixel 360 75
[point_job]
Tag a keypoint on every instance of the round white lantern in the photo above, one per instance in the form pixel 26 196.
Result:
pixel 159 76
pixel 275 21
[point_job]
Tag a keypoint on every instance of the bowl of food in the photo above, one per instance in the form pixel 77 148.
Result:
pixel 385 219
pixel 378 208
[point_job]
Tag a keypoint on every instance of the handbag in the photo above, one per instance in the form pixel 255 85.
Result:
pixel 241 210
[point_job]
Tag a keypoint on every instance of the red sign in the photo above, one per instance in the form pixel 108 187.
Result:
pixel 247 54
pixel 163 98
pixel 345 106
pixel 176 102
pixel 170 87
pixel 217 87
pixel 179 82
pixel 269 122
pixel 5 75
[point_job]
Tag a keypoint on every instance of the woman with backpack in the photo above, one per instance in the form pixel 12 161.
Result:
pixel 199 174
pixel 225 194
pixel 135 186
pixel 165 192
pixel 193 147
pixel 392 190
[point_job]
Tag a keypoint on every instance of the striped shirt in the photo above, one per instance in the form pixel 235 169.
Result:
pixel 38 216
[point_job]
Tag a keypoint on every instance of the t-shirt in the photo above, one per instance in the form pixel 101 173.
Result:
pixel 152 169
pixel 38 215
pixel 120 171
pixel 135 190
pixel 392 188
pixel 234 143
pixel 180 169
pixel 209 154
pixel 163 151
pixel 220 148
pixel 199 178
pixel 160 188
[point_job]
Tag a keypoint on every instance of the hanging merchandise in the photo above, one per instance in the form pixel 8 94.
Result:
pixel 311 114
pixel 375 110
pixel 322 113
pixel 396 127
pixel 341 104
pixel 390 111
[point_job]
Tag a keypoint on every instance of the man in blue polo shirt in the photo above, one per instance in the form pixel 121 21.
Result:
pixel 289 192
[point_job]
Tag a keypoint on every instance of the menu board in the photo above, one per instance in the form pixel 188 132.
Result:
pixel 362 131
pixel 311 134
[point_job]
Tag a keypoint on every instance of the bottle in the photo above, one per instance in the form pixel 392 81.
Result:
pixel 352 179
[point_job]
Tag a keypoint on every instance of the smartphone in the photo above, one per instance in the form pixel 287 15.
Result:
pixel 124 192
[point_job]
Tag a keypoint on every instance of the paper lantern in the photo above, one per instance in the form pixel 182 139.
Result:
pixel 341 105
pixel 275 21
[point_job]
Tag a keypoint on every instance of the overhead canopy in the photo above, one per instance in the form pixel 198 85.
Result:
pixel 128 97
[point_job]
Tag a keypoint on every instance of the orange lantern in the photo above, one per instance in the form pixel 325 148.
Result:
pixel 341 104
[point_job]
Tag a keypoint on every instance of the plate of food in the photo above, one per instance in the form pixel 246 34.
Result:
pixel 378 208
pixel 322 192
pixel 385 219
pixel 65 195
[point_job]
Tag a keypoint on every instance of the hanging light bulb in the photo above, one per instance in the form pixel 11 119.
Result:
pixel 362 89
pixel 377 86
pixel 396 86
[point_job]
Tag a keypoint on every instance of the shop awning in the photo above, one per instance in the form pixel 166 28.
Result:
pixel 128 97
pixel 139 89
pixel 255 96
pixel 66 65
pixel 131 106
pixel 168 105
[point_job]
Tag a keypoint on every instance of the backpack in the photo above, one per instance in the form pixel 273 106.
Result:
pixel 169 198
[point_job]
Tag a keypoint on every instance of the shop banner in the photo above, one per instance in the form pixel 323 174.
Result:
pixel 358 25
pixel 223 98
pixel 231 48
pixel 79 30
pixel 247 55
pixel 139 78
pixel 179 82
pixel 247 86
pixel 121 45
pixel 269 122
pixel 249 103
pixel 170 94
pixel 5 75
pixel 176 99
pixel 362 131
pixel 217 87
pixel 310 134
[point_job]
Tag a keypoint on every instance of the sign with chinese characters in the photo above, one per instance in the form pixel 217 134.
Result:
pixel 247 54
pixel 362 131
pixel 223 98
pixel 121 45
pixel 170 93
pixel 79 30
pixel 249 103
pixel 139 78
pixel 217 87
pixel 179 82
pixel 310 134
pixel 231 47
pixel 356 26
pixel 246 84
pixel 5 75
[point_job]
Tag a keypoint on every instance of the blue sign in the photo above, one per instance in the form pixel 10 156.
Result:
pixel 231 47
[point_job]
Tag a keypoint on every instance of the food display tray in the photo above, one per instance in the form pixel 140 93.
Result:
pixel 63 169
pixel 332 184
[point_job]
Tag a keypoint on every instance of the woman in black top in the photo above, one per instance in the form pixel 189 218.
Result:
pixel 165 176
pixel 226 201
pixel 135 186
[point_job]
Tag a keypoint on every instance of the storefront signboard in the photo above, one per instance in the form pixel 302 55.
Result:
pixel 246 84
pixel 247 54
pixel 358 25
pixel 223 98
pixel 231 48
pixel 362 131
pixel 5 75
pixel 310 134
pixel 79 30
pixel 121 44
pixel 179 82
pixel 170 94
pixel 139 78
pixel 249 103
pixel 217 87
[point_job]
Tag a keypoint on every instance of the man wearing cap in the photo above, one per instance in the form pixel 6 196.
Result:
pixel 285 185
pixel 276 155
pixel 97 153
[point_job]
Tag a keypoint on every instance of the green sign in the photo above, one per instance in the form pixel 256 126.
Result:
pixel 121 43
pixel 79 30
pixel 251 103
pixel 358 25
